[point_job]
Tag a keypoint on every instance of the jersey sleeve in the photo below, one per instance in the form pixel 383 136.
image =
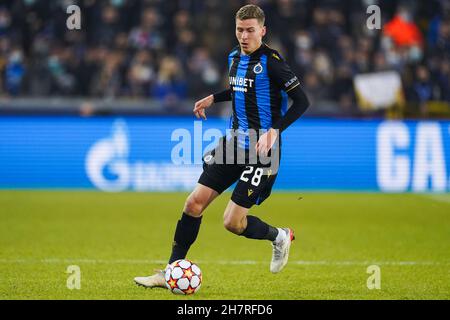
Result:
pixel 222 96
pixel 299 105
pixel 281 74
pixel 283 77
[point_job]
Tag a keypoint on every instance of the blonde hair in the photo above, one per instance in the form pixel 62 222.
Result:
pixel 251 11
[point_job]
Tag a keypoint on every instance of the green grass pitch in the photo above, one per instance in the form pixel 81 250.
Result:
pixel 115 237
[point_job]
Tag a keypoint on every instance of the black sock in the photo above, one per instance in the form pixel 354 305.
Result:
pixel 185 235
pixel 258 229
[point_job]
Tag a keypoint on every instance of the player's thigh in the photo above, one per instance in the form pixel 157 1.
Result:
pixel 199 199
pixel 217 173
pixel 219 177
pixel 254 186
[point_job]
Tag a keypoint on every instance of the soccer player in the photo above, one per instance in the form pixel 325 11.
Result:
pixel 260 82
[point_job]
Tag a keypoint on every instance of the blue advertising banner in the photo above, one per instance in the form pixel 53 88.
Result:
pixel 164 154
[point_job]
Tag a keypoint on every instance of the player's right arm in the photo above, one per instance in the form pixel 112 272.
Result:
pixel 201 105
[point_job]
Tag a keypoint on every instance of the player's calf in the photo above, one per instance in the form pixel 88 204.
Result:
pixel 258 229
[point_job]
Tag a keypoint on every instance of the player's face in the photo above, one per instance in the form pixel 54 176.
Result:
pixel 249 34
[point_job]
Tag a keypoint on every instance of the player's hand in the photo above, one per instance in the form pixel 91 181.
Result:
pixel 266 141
pixel 201 105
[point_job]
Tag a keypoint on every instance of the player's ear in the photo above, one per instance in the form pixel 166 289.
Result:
pixel 263 32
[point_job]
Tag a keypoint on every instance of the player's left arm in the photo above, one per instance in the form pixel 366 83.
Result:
pixel 282 75
pixel 299 105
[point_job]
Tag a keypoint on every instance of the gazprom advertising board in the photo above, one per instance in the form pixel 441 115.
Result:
pixel 164 154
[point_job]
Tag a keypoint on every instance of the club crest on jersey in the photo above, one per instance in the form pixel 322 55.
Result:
pixel 208 158
pixel 258 68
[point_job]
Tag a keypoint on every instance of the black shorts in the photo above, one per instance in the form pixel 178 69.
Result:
pixel 254 181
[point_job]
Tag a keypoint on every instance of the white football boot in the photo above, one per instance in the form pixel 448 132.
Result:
pixel 280 252
pixel 155 281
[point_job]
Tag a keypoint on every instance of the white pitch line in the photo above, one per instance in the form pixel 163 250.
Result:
pixel 224 262
pixel 443 198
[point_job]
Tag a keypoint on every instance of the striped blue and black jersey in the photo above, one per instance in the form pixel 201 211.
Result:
pixel 259 84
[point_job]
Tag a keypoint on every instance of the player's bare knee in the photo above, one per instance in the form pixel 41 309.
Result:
pixel 193 206
pixel 233 226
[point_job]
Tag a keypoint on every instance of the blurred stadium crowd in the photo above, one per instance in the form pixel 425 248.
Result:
pixel 176 50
